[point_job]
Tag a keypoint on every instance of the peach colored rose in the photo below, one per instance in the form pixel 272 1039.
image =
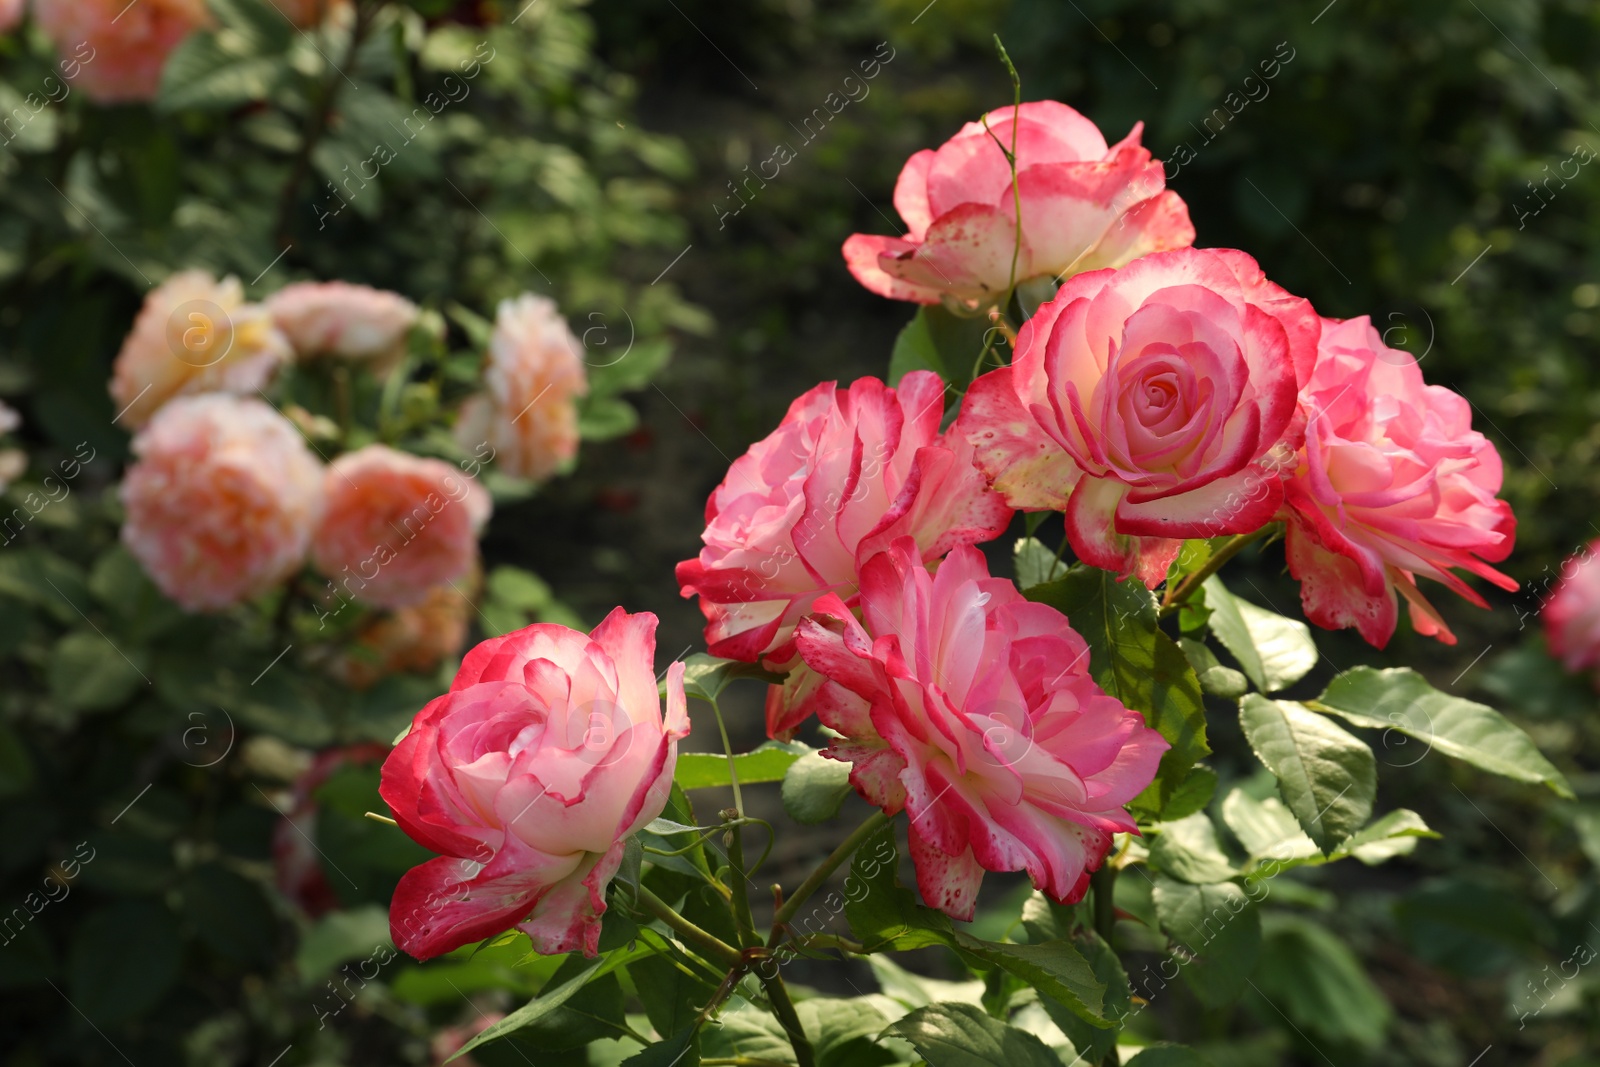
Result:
pixel 1084 206
pixel 844 474
pixel 535 374
pixel 1151 404
pixel 974 710
pixel 528 777
pixel 341 319
pixel 413 639
pixel 220 501
pixel 1572 616
pixel 120 47
pixel 1393 483
pixel 194 335
pixel 395 525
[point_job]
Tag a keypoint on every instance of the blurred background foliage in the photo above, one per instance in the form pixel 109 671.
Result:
pixel 1412 162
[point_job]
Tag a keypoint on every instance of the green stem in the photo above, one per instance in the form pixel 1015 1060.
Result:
pixel 1185 589
pixel 740 1061
pixel 743 920
pixel 1104 883
pixel 783 1008
pixel 816 878
pixel 704 940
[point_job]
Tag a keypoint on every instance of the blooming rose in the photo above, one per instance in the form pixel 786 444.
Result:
pixel 11 12
pixel 973 709
pixel 397 525
pixel 535 375
pixel 194 335
pixel 340 319
pixel 548 752
pixel 842 476
pixel 1084 206
pixel 221 500
pixel 1151 404
pixel 1572 617
pixel 118 47
pixel 1393 483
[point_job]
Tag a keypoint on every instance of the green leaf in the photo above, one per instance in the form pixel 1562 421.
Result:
pixel 124 958
pixel 89 673
pixel 832 1023
pixel 914 350
pixel 1036 564
pixel 814 787
pixel 1401 699
pixel 1055 968
pixel 16 766
pixel 633 370
pixel 1193 793
pixel 202 75
pixel 707 676
pixel 680 1050
pixel 1327 777
pixel 671 997
pixel 1274 651
pixel 1317 982
pixel 1215 679
pixel 603 418
pixel 594 1013
pixel 1092 1041
pixel 885 915
pixel 341 936
pixel 767 763
pixel 548 1000
pixel 257 21
pixel 1131 659
pixel 960 1035
pixel 747 1032
pixel 1394 834
pixel 1219 926
pixel 517 588
pixel 1267 829
pixel 1187 848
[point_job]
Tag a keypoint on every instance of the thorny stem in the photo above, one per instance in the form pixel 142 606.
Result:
pixel 1181 592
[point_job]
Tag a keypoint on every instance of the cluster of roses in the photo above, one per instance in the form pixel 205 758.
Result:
pixel 128 43
pixel 1164 393
pixel 226 500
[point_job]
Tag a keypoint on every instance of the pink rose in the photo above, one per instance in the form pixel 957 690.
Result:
pixel 340 319
pixel 528 777
pixel 194 335
pixel 397 525
pixel 221 500
pixel 1572 616
pixel 118 48
pixel 1151 404
pixel 1084 206
pixel 842 476
pixel 973 709
pixel 1393 483
pixel 529 415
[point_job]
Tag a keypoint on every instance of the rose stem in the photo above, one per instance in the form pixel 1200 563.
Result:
pixel 704 940
pixel 1185 589
pixel 816 878
pixel 783 1007
pixel 742 918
